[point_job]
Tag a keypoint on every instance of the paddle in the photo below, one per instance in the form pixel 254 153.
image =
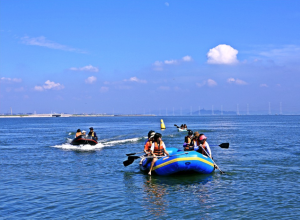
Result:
pixel 176 126
pixel 132 158
pixel 134 153
pixel 223 145
pixel 213 161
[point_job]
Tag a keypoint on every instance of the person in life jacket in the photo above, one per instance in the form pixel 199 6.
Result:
pixel 93 134
pixel 148 143
pixel 83 133
pixel 204 146
pixel 78 133
pixel 158 148
pixel 188 141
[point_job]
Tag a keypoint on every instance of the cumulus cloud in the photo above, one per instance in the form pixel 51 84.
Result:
pixel 165 88
pixel 170 62
pixel 104 89
pixel 264 85
pixel 91 80
pixel 43 42
pixel 222 54
pixel 10 80
pixel 135 79
pixel 49 85
pixel 209 82
pixel 187 58
pixel 236 81
pixel 88 68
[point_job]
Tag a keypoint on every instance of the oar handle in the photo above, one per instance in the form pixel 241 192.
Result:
pixel 212 160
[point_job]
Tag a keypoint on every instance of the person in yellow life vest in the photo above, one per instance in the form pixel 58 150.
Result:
pixel 148 143
pixel 78 133
pixel 158 148
pixel 188 141
pixel 93 134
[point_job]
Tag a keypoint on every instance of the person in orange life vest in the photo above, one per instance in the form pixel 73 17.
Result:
pixel 204 146
pixel 93 134
pixel 78 133
pixel 158 148
pixel 188 144
pixel 148 143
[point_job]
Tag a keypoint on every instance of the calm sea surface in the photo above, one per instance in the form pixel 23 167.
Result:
pixel 43 176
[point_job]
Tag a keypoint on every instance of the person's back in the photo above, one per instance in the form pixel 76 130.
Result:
pixel 188 143
pixel 78 133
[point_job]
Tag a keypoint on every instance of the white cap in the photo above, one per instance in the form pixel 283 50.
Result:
pixel 83 131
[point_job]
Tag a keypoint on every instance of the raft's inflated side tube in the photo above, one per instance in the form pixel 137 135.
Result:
pixel 192 161
pixel 82 141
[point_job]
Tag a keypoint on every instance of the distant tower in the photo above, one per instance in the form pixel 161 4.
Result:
pixel 237 109
pixel 221 109
pixel 269 108
pixel 212 110
pixel 10 110
pixel 247 109
pixel 280 109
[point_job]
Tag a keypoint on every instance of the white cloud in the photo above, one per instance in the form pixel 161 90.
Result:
pixel 222 54
pixel 43 42
pixel 167 4
pixel 135 79
pixel 264 85
pixel 10 80
pixel 21 89
pixel 104 89
pixel 209 82
pixel 38 88
pixel 170 62
pixel 88 68
pixel 236 81
pixel 49 85
pixel 187 58
pixel 165 88
pixel 91 80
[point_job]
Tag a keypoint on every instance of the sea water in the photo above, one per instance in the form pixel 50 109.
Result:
pixel 43 176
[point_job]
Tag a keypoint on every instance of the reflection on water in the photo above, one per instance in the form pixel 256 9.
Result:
pixel 160 194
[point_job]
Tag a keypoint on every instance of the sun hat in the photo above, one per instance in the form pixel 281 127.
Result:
pixel 202 137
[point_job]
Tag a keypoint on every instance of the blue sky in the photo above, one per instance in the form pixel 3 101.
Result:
pixel 142 56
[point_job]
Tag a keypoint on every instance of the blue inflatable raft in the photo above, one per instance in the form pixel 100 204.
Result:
pixel 179 162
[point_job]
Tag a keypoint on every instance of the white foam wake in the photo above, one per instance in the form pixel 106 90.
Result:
pixel 101 144
pixel 85 147
pixel 116 142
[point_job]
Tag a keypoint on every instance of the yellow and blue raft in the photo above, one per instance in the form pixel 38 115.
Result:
pixel 179 162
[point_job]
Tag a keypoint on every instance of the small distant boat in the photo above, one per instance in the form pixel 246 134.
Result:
pixel 81 140
pixel 179 162
pixel 184 129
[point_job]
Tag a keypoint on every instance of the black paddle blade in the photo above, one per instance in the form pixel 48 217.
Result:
pixel 224 145
pixel 130 154
pixel 128 162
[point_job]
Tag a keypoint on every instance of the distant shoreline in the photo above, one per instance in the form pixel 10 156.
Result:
pixel 68 116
